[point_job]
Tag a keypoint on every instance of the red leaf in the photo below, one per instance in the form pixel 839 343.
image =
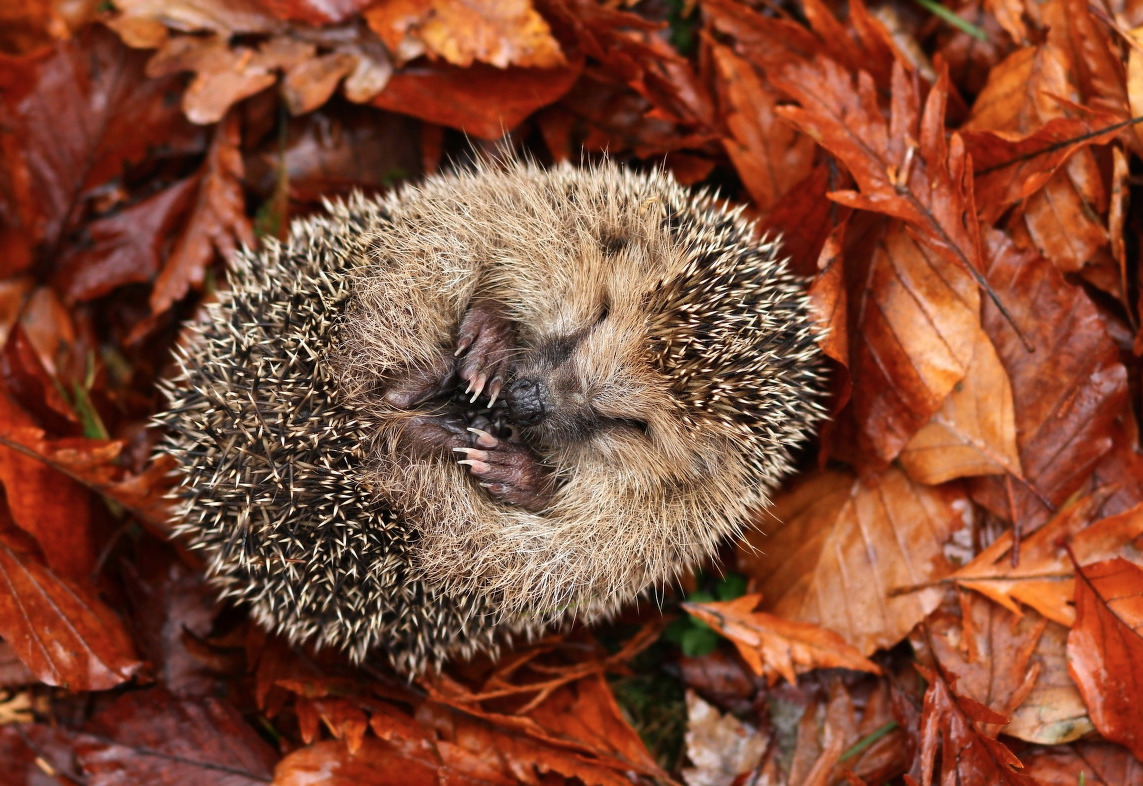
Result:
pixel 968 757
pixel 480 100
pixel 1068 393
pixel 60 630
pixel 1105 648
pixel 155 738
pixel 217 222
pixel 70 120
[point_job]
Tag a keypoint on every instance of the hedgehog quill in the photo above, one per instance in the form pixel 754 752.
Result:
pixel 486 405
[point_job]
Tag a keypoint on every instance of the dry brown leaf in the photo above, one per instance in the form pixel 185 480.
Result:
pixel 483 31
pixel 974 432
pixel 838 547
pixel 1105 648
pixel 775 647
pixel 719 746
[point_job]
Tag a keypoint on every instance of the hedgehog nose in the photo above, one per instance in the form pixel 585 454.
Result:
pixel 527 402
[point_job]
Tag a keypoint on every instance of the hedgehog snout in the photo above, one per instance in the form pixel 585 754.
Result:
pixel 529 401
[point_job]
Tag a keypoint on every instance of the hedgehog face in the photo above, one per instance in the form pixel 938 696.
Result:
pixel 599 382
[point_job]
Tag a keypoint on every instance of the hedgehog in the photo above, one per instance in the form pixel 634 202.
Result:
pixel 486 405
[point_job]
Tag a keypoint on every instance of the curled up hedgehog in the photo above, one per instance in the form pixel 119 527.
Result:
pixel 487 404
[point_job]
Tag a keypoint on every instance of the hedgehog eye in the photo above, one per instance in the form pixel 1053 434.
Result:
pixel 639 425
pixel 604 311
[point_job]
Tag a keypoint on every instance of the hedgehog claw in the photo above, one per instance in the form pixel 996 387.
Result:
pixel 510 472
pixel 484 439
pixel 484 343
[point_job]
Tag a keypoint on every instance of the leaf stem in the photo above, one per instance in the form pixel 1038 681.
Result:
pixel 938 10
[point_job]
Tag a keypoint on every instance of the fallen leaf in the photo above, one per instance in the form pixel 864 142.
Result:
pixel 1013 664
pixel 481 100
pixel 769 155
pixel 974 431
pixel 967 756
pixel 720 747
pixel 124 247
pixel 1094 763
pixel 1068 393
pixel 155 738
pixel 904 166
pixel 841 548
pixel 1044 578
pixel 497 33
pixel 914 304
pixel 71 119
pixel 775 647
pixel 1105 648
pixel 60 630
pixel 217 223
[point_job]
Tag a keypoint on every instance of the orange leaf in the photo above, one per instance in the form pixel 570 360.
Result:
pixel 777 647
pixel 974 431
pixel 497 32
pixel 1105 648
pixel 1044 579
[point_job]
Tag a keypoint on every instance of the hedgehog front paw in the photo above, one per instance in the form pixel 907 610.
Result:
pixel 433 435
pixel 420 386
pixel 484 347
pixel 509 470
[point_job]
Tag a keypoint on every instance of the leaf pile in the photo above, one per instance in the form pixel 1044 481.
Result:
pixel 951 589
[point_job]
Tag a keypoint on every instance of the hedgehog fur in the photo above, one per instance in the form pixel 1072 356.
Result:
pixel 499 400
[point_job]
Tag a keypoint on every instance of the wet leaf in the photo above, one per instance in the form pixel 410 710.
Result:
pixel 1105 648
pixel 950 725
pixel 61 631
pixel 217 223
pixel 1068 393
pixel 1013 664
pixel 1044 577
pixel 71 119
